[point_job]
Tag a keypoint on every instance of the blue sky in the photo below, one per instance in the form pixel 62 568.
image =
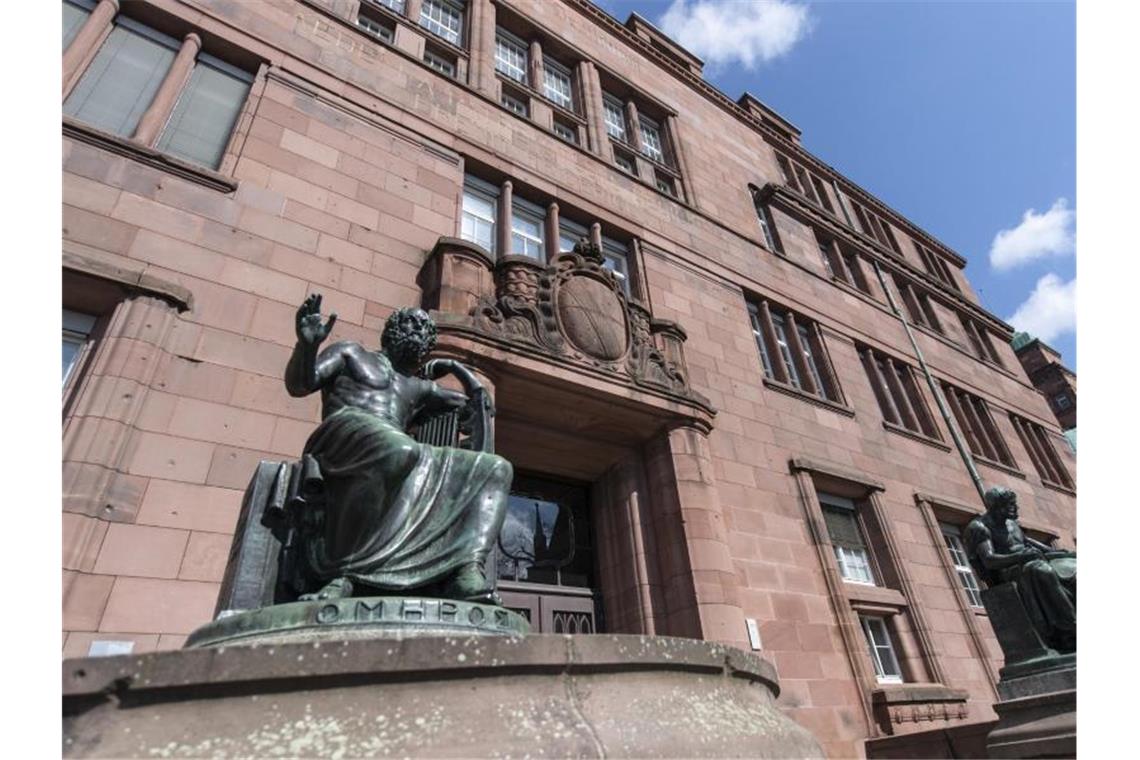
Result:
pixel 960 115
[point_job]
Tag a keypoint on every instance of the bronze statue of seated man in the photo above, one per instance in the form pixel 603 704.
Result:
pixel 1046 578
pixel 396 515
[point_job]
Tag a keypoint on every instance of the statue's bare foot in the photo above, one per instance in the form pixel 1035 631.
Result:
pixel 338 588
pixel 469 584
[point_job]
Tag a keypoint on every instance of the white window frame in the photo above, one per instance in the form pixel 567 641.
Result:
pixel 476 188
pixel 652 143
pixel 877 650
pixel 512 56
pixel 779 324
pixel 566 133
pixel 758 333
pixel 374 28
pixel 439 63
pixel 854 563
pixel 616 259
pixel 625 163
pixel 809 359
pixel 952 535
pixel 562 94
pixel 614 115
pixel 446 23
pixel 522 210
pixel 514 104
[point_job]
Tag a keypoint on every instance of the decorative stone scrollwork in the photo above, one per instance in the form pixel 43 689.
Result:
pixel 572 308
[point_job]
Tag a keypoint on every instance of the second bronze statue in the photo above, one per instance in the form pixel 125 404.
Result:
pixel 393 515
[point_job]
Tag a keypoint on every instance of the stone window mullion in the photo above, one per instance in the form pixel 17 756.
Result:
pixel 910 421
pixel 774 353
pixel 807 377
pixel 879 387
pixel 964 423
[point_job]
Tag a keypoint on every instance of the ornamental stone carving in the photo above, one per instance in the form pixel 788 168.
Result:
pixel 572 308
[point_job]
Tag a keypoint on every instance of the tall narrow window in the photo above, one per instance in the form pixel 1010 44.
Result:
pixel 511 56
pixel 761 342
pixel 527 238
pixel 953 538
pixel 809 357
pixel 973 418
pixel 785 350
pixel 200 127
pixel 615 258
pixel 76 331
pixel 75 13
pixel 651 140
pixel 1041 452
pixel 897 393
pixel 479 212
pixel 786 354
pixel 839 514
pixel 882 649
pixel 614 115
pixel 122 80
pixel 556 84
pixel 443 18
pixel 767 225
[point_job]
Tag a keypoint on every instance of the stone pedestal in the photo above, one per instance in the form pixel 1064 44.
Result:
pixel 1037 714
pixel 441 696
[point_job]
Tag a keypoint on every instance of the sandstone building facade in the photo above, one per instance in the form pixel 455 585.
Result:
pixel 720 428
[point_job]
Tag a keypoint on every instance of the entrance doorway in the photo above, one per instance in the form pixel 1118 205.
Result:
pixel 545 559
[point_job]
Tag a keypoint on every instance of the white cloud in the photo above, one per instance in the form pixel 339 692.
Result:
pixel 1038 236
pixel 727 31
pixel 1050 310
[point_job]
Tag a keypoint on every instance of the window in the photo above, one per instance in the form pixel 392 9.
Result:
pixel 872 226
pixel 207 110
pixel 75 13
pixel 767 225
pixel 76 331
pixel 665 183
pixel 916 303
pixel 479 207
pixel 440 63
pixel 805 182
pixel 953 537
pixel 625 162
pixel 375 27
pixel 973 417
pixel 846 539
pixel 616 259
pixel 119 85
pixel 936 265
pixel 791 351
pixel 651 140
pixel 980 341
pixel 882 650
pixel 569 233
pixel 1061 402
pixel 443 18
pixel 556 84
pixel 527 238
pixel 566 132
pixel 842 264
pixel 897 393
pixel 514 103
pixel 511 56
pixel 615 118
pixel 393 5
pixel 1041 452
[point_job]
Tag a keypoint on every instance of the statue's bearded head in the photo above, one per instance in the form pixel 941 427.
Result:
pixel 1002 502
pixel 409 335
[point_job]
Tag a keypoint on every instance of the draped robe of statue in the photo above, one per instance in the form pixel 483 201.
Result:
pixel 400 514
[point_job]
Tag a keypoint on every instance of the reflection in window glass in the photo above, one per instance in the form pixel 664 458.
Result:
pixel 546 535
pixel 200 127
pixel 526 235
pixel 76 330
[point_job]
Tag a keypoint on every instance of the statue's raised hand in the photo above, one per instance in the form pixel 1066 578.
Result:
pixel 310 329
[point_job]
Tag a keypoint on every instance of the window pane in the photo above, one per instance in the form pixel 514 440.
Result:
pixel 443 19
pixel 510 58
pixel 761 344
pixel 568 134
pixel 73 18
pixel 614 259
pixel 785 350
pixel 809 358
pixel 121 82
pixel 374 27
pixel 556 85
pixel 204 118
pixel 651 140
pixel 615 119
pixel 71 347
pixel 526 236
pixel 478 224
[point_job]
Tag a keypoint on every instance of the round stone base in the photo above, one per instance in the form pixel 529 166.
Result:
pixel 359 618
pixel 439 696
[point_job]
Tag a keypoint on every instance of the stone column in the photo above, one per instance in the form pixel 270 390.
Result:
pixel 412 10
pixel 161 107
pixel 700 586
pixel 87 41
pixel 595 112
pixel 504 228
pixel 596 234
pixel 535 66
pixel 807 380
pixel 552 231
pixel 672 136
pixel 481 43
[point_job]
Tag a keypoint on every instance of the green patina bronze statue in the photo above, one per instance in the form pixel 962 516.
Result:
pixel 1046 578
pixel 395 515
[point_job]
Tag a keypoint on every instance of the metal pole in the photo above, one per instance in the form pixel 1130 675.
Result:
pixel 934 389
